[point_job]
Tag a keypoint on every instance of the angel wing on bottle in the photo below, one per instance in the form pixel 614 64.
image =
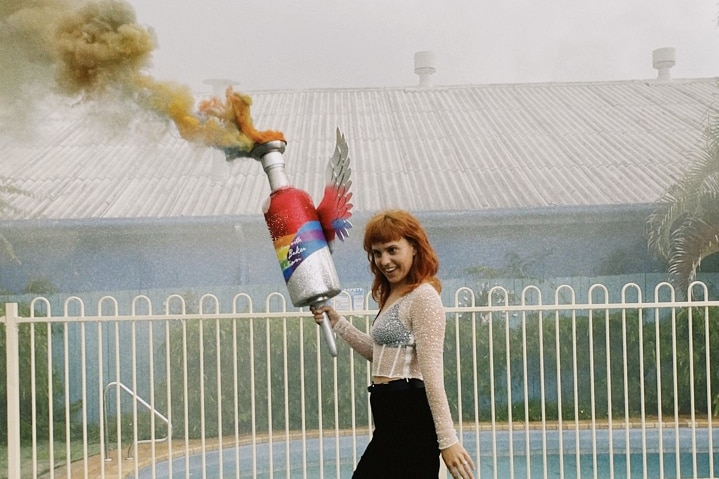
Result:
pixel 335 208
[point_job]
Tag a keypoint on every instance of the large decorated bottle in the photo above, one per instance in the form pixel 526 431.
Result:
pixel 298 238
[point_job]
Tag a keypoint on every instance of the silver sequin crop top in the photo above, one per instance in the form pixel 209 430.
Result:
pixel 389 330
pixel 407 341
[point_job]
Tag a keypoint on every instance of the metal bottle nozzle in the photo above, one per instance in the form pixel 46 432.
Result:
pixel 271 156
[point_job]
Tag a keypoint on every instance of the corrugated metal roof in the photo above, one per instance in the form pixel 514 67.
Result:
pixel 458 148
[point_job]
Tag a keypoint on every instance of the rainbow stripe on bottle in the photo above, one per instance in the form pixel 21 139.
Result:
pixel 292 250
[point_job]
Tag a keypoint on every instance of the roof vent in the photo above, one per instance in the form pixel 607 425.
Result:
pixel 219 85
pixel 663 59
pixel 424 68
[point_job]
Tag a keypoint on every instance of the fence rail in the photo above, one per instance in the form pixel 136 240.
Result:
pixel 608 387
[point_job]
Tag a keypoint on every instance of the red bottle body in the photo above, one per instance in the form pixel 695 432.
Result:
pixel 301 247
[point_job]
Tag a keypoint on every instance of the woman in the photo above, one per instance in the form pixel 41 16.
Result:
pixel 413 424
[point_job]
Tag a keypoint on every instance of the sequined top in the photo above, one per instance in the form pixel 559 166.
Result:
pixel 407 341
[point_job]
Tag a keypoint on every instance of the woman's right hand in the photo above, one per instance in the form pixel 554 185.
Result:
pixel 318 313
pixel 458 461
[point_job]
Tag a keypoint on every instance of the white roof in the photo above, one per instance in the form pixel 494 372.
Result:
pixel 457 148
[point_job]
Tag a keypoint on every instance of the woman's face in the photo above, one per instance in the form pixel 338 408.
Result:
pixel 394 259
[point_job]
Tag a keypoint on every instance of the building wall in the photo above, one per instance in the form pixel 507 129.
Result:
pixel 583 241
pixel 140 255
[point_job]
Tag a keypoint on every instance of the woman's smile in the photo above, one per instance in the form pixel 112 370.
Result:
pixel 394 259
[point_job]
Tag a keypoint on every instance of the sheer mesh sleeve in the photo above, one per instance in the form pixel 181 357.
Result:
pixel 428 323
pixel 358 340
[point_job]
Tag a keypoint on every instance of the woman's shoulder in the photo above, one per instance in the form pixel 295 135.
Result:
pixel 423 301
pixel 425 291
pixel 428 286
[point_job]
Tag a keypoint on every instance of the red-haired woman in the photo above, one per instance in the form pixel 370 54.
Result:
pixel 412 420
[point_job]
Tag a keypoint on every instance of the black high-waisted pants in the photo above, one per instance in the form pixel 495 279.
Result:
pixel 404 441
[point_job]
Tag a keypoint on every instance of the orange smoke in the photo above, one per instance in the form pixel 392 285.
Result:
pixel 226 125
pixel 100 50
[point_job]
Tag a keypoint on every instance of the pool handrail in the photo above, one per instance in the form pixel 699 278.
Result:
pixel 141 401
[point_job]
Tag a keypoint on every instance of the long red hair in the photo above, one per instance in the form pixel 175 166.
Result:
pixel 392 225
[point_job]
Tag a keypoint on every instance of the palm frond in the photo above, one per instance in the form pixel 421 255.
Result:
pixel 7 189
pixel 6 247
pixel 696 239
pixel 692 196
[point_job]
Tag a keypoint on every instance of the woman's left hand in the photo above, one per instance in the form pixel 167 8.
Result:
pixel 458 461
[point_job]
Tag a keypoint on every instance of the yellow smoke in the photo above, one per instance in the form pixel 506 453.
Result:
pixel 94 49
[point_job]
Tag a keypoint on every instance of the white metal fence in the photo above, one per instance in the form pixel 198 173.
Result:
pixel 616 387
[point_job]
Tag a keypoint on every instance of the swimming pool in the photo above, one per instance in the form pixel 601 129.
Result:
pixel 280 465
pixel 593 456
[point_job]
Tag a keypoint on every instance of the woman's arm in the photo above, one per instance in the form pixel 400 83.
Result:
pixel 358 340
pixel 428 323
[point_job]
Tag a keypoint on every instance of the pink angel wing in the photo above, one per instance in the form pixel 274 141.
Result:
pixel 335 208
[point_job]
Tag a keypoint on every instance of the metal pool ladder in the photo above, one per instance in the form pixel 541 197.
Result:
pixel 139 400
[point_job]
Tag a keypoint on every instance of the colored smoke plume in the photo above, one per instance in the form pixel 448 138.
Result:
pixel 97 50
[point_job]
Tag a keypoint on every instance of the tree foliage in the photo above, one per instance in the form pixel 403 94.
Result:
pixel 684 228
pixel 7 190
pixel 610 364
pixel 33 344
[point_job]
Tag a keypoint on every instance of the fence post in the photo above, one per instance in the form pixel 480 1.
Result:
pixel 13 389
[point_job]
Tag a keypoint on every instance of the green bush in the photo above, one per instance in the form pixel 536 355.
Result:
pixel 29 348
pixel 564 343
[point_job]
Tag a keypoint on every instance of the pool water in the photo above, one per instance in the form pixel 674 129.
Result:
pixel 603 466
pixel 585 465
pixel 280 465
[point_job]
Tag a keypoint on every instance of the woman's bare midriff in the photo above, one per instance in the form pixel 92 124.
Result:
pixel 382 379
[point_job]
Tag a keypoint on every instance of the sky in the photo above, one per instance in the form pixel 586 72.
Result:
pixel 289 44
pixel 160 56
